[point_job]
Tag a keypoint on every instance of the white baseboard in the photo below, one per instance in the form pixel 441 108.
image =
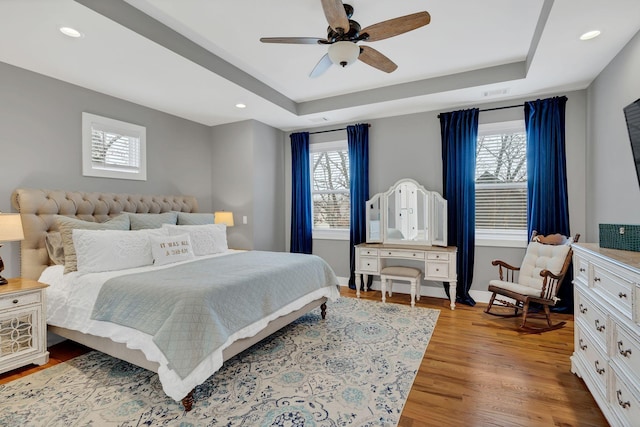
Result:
pixel 425 290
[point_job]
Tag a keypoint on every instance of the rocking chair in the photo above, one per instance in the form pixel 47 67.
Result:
pixel 538 279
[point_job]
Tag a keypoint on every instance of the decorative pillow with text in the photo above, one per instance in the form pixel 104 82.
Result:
pixel 170 249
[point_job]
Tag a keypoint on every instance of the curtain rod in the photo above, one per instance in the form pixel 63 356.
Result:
pixel 330 130
pixel 498 108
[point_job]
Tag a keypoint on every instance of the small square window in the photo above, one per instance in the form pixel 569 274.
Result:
pixel 113 149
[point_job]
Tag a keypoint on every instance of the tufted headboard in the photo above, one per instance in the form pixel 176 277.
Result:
pixel 38 207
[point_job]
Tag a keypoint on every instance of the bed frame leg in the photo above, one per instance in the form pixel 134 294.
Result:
pixel 187 401
pixel 323 310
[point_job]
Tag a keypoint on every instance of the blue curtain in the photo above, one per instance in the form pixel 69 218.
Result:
pixel 459 131
pixel 358 145
pixel 547 197
pixel 301 220
pixel 547 202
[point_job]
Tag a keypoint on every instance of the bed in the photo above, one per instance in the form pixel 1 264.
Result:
pixel 70 297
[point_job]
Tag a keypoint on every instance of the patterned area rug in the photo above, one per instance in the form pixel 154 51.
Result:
pixel 353 369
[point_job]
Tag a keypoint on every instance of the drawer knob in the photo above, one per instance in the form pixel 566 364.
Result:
pixel 599 327
pixel 582 346
pixel 596 279
pixel 626 352
pixel 624 405
pixel 583 309
pixel 582 269
pixel 599 370
pixel 621 295
pixel 15 301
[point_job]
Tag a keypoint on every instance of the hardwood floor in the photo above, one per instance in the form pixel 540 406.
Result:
pixel 478 371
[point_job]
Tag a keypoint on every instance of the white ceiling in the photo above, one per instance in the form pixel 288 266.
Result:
pixel 198 58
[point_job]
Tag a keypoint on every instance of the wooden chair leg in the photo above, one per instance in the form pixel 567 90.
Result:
pixel 525 311
pixel 493 297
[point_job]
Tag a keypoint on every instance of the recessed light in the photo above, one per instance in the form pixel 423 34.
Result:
pixel 590 35
pixel 240 105
pixel 70 32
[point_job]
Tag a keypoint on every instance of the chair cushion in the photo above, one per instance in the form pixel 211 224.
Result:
pixel 515 287
pixel 401 272
pixel 541 257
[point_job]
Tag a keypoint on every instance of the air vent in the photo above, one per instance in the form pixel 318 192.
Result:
pixel 318 119
pixel 495 92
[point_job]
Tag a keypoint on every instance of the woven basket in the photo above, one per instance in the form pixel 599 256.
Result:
pixel 620 236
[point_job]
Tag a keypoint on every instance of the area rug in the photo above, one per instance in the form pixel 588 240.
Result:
pixel 353 369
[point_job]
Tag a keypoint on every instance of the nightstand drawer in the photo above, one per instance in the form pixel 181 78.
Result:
pixel 438 256
pixel 368 252
pixel 369 264
pixel 19 300
pixel 437 270
pixel 402 254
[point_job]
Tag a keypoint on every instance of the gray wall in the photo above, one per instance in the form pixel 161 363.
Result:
pixel 613 190
pixel 41 145
pixel 248 179
pixel 409 146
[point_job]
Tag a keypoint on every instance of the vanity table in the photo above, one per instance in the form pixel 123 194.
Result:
pixel 407 223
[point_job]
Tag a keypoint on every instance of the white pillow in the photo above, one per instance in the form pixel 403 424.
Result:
pixel 169 249
pixel 206 239
pixel 107 250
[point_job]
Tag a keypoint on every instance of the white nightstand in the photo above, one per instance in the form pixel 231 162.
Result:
pixel 23 328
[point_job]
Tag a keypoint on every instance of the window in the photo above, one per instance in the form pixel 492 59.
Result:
pixel 113 149
pixel 501 184
pixel 330 190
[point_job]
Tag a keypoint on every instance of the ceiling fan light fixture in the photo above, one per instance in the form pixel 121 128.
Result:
pixel 344 53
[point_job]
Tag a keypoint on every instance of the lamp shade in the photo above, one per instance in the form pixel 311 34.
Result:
pixel 344 53
pixel 223 217
pixel 10 227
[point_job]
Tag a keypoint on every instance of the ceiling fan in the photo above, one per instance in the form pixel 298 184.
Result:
pixel 343 33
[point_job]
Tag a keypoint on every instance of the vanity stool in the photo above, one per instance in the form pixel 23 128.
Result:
pixel 409 274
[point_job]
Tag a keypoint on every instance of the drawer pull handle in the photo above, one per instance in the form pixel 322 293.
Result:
pixel 596 279
pixel 626 352
pixel 582 346
pixel 582 269
pixel 583 309
pixel 599 327
pixel 624 405
pixel 621 295
pixel 599 370
pixel 15 301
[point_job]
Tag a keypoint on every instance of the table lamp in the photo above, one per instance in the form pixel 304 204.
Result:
pixel 10 230
pixel 223 217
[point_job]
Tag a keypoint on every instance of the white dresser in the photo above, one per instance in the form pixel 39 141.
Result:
pixel 607 329
pixel 439 263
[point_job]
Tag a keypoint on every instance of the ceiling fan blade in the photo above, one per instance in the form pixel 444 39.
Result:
pixel 322 66
pixel 393 27
pixel 336 15
pixel 292 40
pixel 372 57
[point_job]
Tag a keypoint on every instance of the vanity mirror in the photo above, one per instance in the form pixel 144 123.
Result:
pixel 407 214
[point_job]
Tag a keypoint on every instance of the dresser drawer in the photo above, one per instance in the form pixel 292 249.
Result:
pixel 615 288
pixel 595 361
pixel 438 270
pixel 581 269
pixel 593 318
pixel 368 252
pixel 438 256
pixel 20 300
pixel 401 254
pixel 626 351
pixel 368 264
pixel 624 400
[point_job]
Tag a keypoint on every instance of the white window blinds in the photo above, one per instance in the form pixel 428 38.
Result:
pixel 330 186
pixel 501 179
